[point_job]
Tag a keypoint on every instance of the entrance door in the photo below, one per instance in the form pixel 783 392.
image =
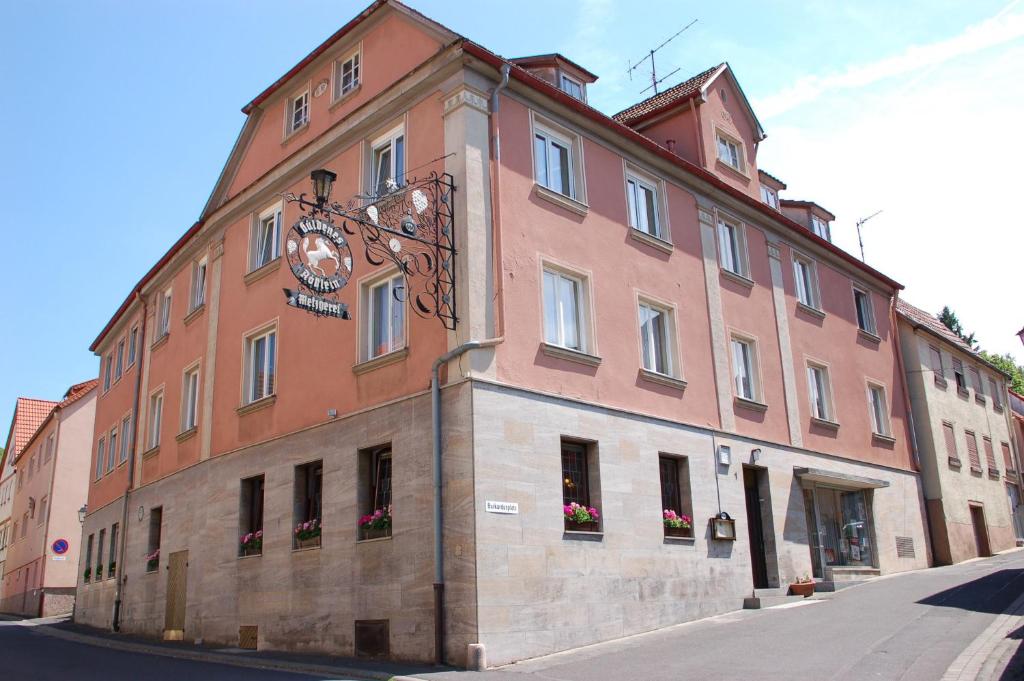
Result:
pixel 755 527
pixel 980 530
pixel 174 616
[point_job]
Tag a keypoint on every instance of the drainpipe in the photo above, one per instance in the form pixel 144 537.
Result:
pixel 498 269
pixel 895 322
pixel 119 582
pixel 435 412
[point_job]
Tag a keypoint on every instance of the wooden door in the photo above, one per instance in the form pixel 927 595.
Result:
pixel 755 529
pixel 177 584
pixel 980 530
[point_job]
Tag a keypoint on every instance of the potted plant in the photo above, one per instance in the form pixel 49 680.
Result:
pixel 377 524
pixel 307 534
pixel 87 574
pixel 99 572
pixel 580 518
pixel 251 543
pixel 676 524
pixel 112 570
pixel 153 561
pixel 802 587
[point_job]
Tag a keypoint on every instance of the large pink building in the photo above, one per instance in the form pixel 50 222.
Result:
pixel 659 331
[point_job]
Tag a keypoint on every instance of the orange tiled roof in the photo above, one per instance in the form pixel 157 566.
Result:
pixel 663 100
pixel 916 315
pixel 29 414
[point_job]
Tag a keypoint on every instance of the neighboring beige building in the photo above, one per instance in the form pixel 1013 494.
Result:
pixel 41 569
pixel 963 430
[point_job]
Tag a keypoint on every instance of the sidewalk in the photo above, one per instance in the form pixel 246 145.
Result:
pixel 322 665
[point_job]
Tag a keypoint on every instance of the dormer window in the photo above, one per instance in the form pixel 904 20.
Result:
pixel 730 152
pixel 770 197
pixel 821 228
pixel 298 111
pixel 572 87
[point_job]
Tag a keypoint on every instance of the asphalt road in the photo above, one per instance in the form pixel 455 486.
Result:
pixel 908 627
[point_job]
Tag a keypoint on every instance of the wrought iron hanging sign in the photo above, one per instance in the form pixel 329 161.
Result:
pixel 411 226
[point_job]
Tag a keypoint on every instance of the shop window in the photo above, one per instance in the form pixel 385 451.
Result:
pixel 156 521
pixel 581 487
pixel 308 504
pixel 676 499
pixel 250 526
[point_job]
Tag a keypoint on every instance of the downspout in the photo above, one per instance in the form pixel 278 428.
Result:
pixel 119 585
pixel 498 273
pixel 901 367
pixel 435 412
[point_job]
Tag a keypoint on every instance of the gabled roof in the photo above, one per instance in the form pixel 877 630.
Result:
pixel 553 59
pixel 930 323
pixel 693 88
pixel 766 175
pixel 29 414
pixel 797 203
pixel 73 394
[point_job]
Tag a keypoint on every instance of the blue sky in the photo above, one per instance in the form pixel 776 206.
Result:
pixel 116 117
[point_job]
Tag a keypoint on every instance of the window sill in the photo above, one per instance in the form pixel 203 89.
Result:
pixel 869 337
pixel 738 278
pixel 375 539
pixel 570 354
pixel 680 541
pixel 186 434
pixel 295 133
pixel 752 405
pixel 812 311
pixel 980 399
pixel 976 470
pixel 651 240
pixel 380 361
pixel 305 549
pixel 997 408
pixel 345 97
pixel 663 379
pixel 251 555
pixel 561 200
pixel 993 473
pixel 824 423
pixel 194 314
pixel 159 342
pixel 731 169
pixel 1010 476
pixel 261 403
pixel 940 382
pixel 583 535
pixel 151 452
pixel 963 392
pixel 151 572
pixel 884 439
pixel 263 271
pixel 955 462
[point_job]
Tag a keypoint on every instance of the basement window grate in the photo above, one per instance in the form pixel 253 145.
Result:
pixel 905 547
pixel 373 638
pixel 247 636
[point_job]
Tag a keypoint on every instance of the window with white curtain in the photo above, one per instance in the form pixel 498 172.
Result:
pixel 820 392
pixel 260 365
pixel 805 275
pixel 655 338
pixel 387 161
pixel 879 410
pixel 642 203
pixel 732 247
pixel 730 152
pixel 744 369
pixel 156 415
pixel 385 326
pixel 265 245
pixel 190 399
pixel 563 320
pixel 163 326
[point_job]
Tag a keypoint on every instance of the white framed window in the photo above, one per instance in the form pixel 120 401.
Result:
pixel 744 369
pixel 730 151
pixel 769 196
pixel 108 369
pixel 384 302
pixel 260 365
pixel 821 228
pixel 819 389
pixel 298 111
pixel 198 295
pixel 805 276
pixel 557 161
pixel 133 338
pixel 879 407
pixel 642 200
pixel 657 338
pixel 866 312
pixel 565 315
pixel 101 453
pixel 119 364
pixel 112 449
pixel 347 72
pixel 190 399
pixel 387 161
pixel 156 416
pixel 126 439
pixel 732 247
pixel 572 87
pixel 163 323
pixel 265 243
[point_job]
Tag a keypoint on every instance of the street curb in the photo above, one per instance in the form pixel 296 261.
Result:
pixel 219 658
pixel 985 656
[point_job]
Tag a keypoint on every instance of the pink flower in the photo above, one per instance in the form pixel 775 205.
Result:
pixel 593 513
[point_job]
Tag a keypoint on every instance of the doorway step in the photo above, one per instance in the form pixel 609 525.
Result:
pixel 766 598
pixel 837 578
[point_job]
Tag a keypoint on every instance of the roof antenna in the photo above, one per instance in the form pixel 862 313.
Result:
pixel 650 55
pixel 860 240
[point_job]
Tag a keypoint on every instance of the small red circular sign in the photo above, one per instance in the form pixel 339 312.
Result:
pixel 60 547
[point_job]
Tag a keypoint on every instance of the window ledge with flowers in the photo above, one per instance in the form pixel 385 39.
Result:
pixel 153 561
pixel 87 574
pixel 581 518
pixel 376 525
pixel 250 544
pixel 677 525
pixel 307 535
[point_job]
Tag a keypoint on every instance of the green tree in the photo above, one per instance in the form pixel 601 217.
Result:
pixel 951 322
pixel 1008 364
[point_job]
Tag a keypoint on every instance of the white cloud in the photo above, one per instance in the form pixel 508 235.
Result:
pixel 997 30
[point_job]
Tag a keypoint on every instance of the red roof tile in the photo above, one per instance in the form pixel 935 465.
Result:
pixel 930 322
pixel 29 414
pixel 670 97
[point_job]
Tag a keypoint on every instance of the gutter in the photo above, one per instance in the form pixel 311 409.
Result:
pixel 435 412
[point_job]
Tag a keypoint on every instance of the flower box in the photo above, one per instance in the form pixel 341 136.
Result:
pixel 376 525
pixel 581 518
pixel 308 543
pixel 252 551
pixel 112 570
pixel 307 534
pixel 584 526
pixel 676 524
pixel 251 544
pixel 686 532
pixel 804 589
pixel 375 533
pixel 153 561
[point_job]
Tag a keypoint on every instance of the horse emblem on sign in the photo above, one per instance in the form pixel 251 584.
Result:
pixel 321 260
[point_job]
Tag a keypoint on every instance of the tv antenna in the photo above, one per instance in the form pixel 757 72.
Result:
pixel 859 239
pixel 650 55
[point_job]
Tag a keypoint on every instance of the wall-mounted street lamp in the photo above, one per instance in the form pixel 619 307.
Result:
pixel 81 513
pixel 323 180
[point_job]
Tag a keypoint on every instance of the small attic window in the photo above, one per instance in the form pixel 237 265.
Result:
pixel 572 87
pixel 721 93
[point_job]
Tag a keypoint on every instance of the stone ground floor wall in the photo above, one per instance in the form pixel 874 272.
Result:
pixel 94 605
pixel 309 600
pixel 954 530
pixel 542 590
